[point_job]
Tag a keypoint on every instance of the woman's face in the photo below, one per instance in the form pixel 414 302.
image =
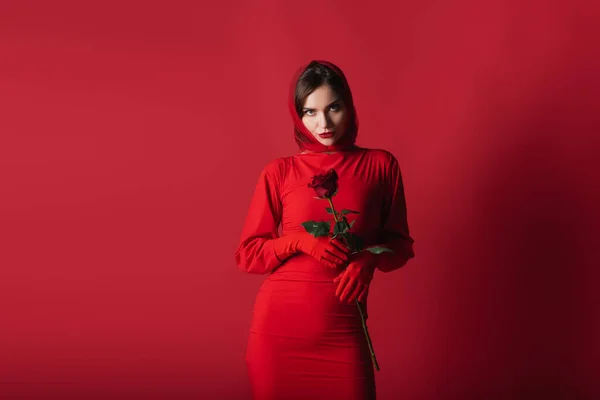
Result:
pixel 324 115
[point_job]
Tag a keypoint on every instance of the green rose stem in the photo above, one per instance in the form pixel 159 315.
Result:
pixel 364 324
pixel 360 310
pixel 332 209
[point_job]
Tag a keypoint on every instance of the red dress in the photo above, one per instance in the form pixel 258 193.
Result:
pixel 303 342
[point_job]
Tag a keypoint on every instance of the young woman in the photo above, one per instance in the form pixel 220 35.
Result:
pixel 306 338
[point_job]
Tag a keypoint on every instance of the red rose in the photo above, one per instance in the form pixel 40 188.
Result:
pixel 325 185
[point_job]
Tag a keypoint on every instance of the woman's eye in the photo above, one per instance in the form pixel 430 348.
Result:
pixel 334 107
pixel 309 112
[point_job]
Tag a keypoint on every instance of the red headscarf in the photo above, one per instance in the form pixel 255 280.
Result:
pixel 303 137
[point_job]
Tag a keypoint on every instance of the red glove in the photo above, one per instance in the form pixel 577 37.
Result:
pixel 331 253
pixel 355 279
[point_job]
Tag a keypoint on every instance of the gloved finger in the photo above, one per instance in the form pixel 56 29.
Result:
pixel 328 263
pixel 335 260
pixel 340 245
pixel 363 294
pixel 357 290
pixel 332 260
pixel 336 251
pixel 348 289
pixel 337 278
pixel 343 281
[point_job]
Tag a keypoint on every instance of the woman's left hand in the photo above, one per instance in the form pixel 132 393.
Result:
pixel 355 279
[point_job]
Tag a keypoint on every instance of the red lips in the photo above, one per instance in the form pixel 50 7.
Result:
pixel 326 135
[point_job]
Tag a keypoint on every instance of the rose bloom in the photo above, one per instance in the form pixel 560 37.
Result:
pixel 325 185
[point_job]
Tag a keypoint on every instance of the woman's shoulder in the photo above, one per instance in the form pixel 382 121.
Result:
pixel 379 155
pixel 276 168
pixel 279 163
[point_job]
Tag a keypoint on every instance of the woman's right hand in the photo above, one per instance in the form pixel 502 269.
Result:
pixel 330 252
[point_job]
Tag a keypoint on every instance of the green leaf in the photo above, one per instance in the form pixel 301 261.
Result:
pixel 345 212
pixel 329 210
pixel 340 235
pixel 317 229
pixel 379 250
pixel 348 224
pixel 341 227
pixel 355 242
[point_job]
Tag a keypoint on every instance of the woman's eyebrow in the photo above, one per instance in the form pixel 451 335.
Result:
pixel 328 105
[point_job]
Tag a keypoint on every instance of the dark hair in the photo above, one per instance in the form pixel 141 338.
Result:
pixel 317 74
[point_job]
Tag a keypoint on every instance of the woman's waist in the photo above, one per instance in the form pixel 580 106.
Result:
pixel 302 267
pixel 304 282
pixel 303 308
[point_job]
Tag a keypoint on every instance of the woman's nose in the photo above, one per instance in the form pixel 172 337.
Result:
pixel 323 120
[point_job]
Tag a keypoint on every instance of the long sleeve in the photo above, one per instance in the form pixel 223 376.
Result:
pixel 395 231
pixel 255 253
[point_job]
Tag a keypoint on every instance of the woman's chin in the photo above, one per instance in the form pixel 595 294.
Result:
pixel 327 141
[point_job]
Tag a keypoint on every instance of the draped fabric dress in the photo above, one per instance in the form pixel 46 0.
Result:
pixel 303 342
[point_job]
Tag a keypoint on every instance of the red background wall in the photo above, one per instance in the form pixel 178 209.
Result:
pixel 131 137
